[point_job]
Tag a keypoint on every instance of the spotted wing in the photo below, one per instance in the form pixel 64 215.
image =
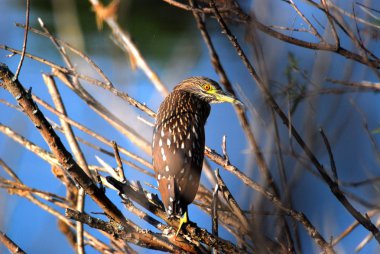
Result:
pixel 178 149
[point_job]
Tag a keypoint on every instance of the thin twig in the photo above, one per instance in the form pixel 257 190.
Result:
pixel 89 79
pixel 331 22
pixel 332 161
pixel 131 48
pixel 120 169
pixel 300 217
pixel 363 84
pixel 272 102
pixel 365 241
pixel 56 146
pixel 224 79
pixel 151 202
pixel 105 113
pixel 214 214
pixel 244 18
pixel 45 155
pixel 58 42
pixel 239 110
pixel 97 244
pixel 224 150
pixel 11 246
pixel 25 40
pixel 313 29
pixel 214 210
pixel 156 241
pixel 91 133
pixel 232 202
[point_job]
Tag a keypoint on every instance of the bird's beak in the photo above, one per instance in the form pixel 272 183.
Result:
pixel 227 97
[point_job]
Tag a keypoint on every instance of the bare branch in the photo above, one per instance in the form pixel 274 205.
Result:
pixel 333 186
pixel 124 37
pixel 332 161
pixel 12 247
pixel 55 144
pixel 120 169
pixel 25 40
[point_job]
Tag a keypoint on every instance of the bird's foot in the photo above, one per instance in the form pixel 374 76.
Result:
pixel 184 220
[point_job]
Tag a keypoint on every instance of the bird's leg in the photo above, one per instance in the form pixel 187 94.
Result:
pixel 184 219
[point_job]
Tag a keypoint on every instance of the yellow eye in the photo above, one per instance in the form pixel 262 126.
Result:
pixel 207 87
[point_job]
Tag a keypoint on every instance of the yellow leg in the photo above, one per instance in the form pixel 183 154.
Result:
pixel 184 219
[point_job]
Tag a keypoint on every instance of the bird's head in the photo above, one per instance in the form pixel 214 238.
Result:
pixel 206 89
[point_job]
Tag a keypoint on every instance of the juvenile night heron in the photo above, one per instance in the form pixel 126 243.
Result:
pixel 179 141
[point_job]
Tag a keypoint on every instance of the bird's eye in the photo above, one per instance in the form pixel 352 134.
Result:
pixel 207 87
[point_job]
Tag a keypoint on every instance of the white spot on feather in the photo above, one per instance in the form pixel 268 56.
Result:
pixel 195 133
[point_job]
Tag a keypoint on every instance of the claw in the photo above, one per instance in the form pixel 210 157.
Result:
pixel 184 219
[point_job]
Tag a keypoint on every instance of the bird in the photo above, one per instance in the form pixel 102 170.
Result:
pixel 179 141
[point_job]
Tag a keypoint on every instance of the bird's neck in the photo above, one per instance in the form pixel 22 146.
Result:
pixel 181 102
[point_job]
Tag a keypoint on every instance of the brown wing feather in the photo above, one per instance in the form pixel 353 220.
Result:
pixel 178 150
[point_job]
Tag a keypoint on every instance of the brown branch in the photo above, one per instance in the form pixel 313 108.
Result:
pixel 225 81
pixel 332 161
pixel 25 40
pixel 45 155
pixel 151 203
pixel 297 216
pixel 244 18
pixel 232 202
pixel 75 85
pixel 129 46
pixel 97 244
pixel 65 159
pixel 50 158
pixel 264 170
pixel 89 79
pixel 225 217
pixel 155 241
pixel 11 246
pixel 22 190
pixel 363 84
pixel 63 156
pixel 68 233
pixel 70 47
pixel 51 64
pixel 120 169
pixel 92 133
pixel 106 114
pixel 333 185
pixel 214 210
pixel 313 29
pixel 15 187
pixel 179 241
pixel 326 8
pixel 78 154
